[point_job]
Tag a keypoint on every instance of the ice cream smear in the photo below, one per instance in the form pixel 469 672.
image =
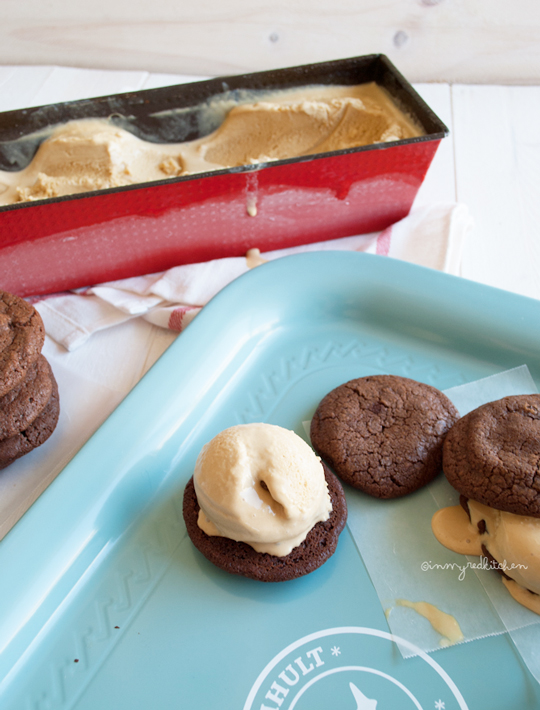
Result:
pixel 513 541
pixel 260 484
pixel 94 154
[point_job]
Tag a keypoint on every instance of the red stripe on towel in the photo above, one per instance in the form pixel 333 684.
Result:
pixel 383 242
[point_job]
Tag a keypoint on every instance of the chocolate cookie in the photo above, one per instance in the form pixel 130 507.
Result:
pixel 21 405
pixel 36 434
pixel 21 338
pixel 492 455
pixel 239 558
pixel 383 434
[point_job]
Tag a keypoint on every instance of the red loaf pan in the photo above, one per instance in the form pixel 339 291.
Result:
pixel 68 242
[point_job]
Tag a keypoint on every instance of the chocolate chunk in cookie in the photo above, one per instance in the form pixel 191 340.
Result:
pixel 239 558
pixel 36 434
pixel 492 455
pixel 383 434
pixel 21 405
pixel 21 339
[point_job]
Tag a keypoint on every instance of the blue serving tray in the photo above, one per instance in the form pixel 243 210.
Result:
pixel 105 602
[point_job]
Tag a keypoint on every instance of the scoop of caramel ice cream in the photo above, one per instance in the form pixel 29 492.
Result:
pixel 260 484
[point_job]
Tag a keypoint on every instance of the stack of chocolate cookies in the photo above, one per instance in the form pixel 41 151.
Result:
pixel 29 405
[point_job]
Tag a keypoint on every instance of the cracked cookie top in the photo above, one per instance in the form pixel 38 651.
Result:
pixel 21 339
pixel 383 434
pixel 492 455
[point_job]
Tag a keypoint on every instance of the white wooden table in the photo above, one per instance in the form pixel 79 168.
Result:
pixel 490 162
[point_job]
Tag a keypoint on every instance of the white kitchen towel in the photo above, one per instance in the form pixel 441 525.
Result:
pixel 432 236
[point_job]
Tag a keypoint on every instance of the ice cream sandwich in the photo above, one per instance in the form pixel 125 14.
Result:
pixel 262 505
pixel 492 458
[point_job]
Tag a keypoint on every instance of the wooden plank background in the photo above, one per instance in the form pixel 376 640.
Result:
pixel 466 41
